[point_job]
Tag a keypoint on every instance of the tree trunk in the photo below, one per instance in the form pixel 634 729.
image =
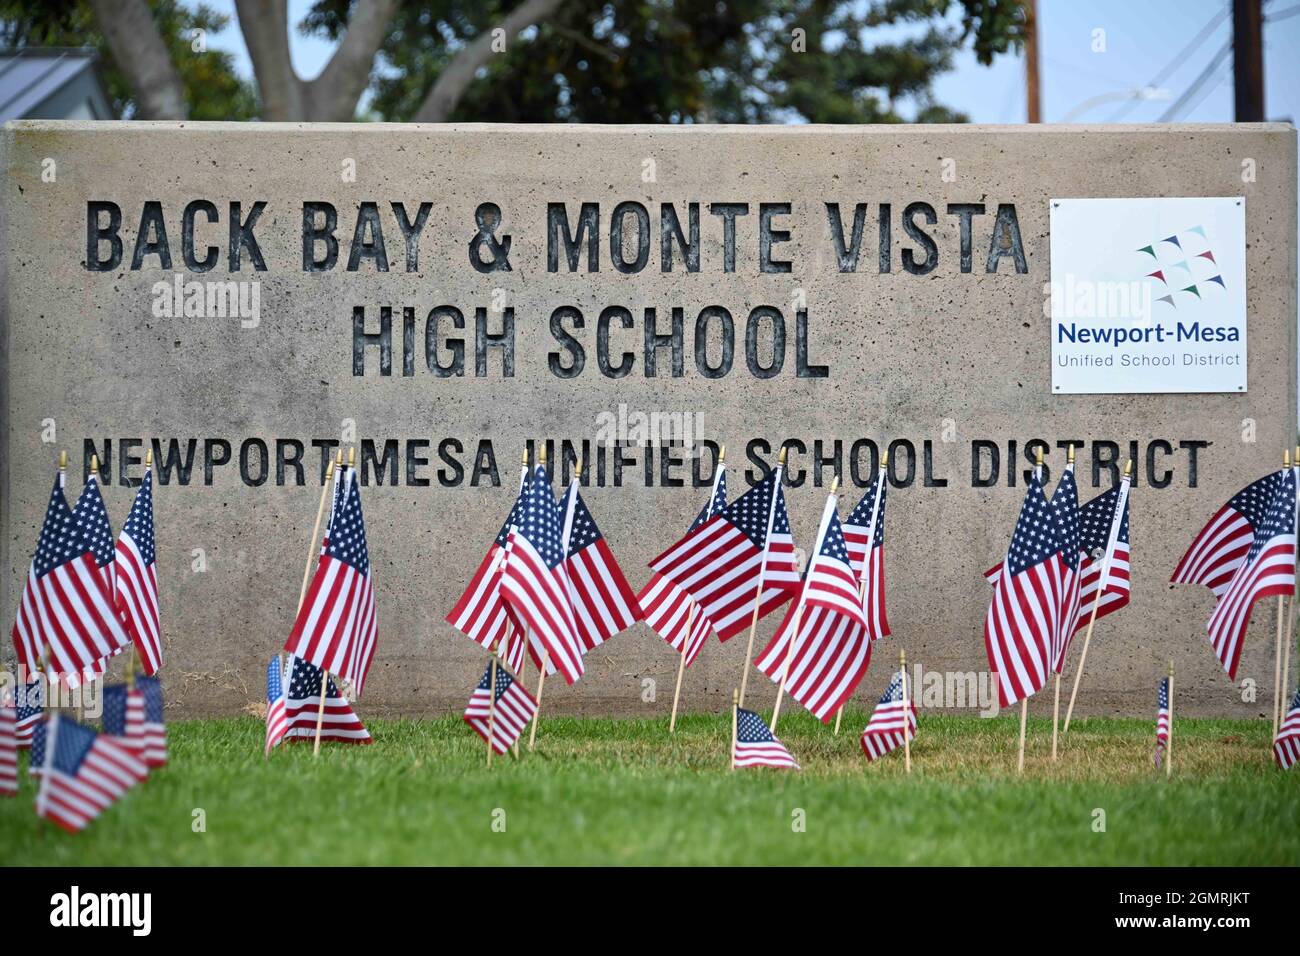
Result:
pixel 140 53
pixel 265 26
pixel 455 79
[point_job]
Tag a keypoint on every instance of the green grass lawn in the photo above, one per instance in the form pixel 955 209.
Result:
pixel 623 791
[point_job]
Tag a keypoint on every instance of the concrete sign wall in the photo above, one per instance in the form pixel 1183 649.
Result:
pixel 241 298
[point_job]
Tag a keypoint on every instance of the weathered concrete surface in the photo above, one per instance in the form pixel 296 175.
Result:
pixel 948 357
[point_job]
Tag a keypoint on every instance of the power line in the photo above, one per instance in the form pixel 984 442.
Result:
pixel 1170 114
pixel 1179 59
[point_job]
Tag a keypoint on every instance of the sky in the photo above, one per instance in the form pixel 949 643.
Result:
pixel 1094 56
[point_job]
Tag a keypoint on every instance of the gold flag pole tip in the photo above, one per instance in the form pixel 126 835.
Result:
pixel 63 460
pixel 1128 468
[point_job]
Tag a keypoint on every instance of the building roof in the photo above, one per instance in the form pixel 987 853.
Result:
pixel 51 84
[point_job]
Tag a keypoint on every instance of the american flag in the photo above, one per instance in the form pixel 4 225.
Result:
pixel 1266 569
pixel 513 709
pixel 339 722
pixel 1065 513
pixel 1104 529
pixel 137 578
pixel 36 759
pixel 889 721
pixel 1162 719
pixel 667 609
pixel 833 649
pixel 136 714
pixel 8 748
pixel 84 773
pixel 480 614
pixel 1286 745
pixel 533 583
pixel 866 523
pixel 756 746
pixel 91 516
pixel 30 710
pixel 1024 616
pixel 603 602
pixel 276 722
pixel 1219 549
pixel 721 563
pixel 66 606
pixel 337 627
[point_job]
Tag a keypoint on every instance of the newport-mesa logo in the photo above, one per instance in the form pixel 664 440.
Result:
pixel 1182 270
pixel 78 909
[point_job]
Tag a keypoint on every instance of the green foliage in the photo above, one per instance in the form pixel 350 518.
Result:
pixel 213 90
pixel 672 61
pixel 601 791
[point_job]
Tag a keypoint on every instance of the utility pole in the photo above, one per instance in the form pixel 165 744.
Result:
pixel 1033 97
pixel 1248 60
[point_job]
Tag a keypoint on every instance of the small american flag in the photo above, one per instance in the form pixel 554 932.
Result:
pixel 276 722
pixel 667 609
pixel 124 717
pixel 339 722
pixel 1024 616
pixel 513 709
pixel 30 709
pixel 756 745
pixel 1103 530
pixel 889 721
pixel 137 578
pixel 1268 570
pixel 533 583
pixel 1065 513
pixel 481 614
pixel 1218 554
pixel 1219 549
pixel 66 605
pixel 864 532
pixel 722 562
pixel 1162 719
pixel 155 729
pixel 36 760
pixel 84 773
pixel 8 748
pixel 1286 745
pixel 832 652
pixel 91 516
pixel 603 602
pixel 336 628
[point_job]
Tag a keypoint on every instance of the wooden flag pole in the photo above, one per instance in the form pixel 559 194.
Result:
pixel 546 656
pixel 785 668
pixel 758 591
pixel 492 702
pixel 1024 701
pixel 1092 620
pixel 1056 681
pixel 862 585
pixel 325 675
pixel 1277 641
pixel 735 704
pixel 681 665
pixel 541 684
pixel 907 714
pixel 1290 612
pixel 315 531
pixel 1169 745
pixel 1024 712
pixel 802 561
pixel 694 608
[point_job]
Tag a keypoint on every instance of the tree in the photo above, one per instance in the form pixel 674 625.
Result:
pixel 201 87
pixel 623 61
